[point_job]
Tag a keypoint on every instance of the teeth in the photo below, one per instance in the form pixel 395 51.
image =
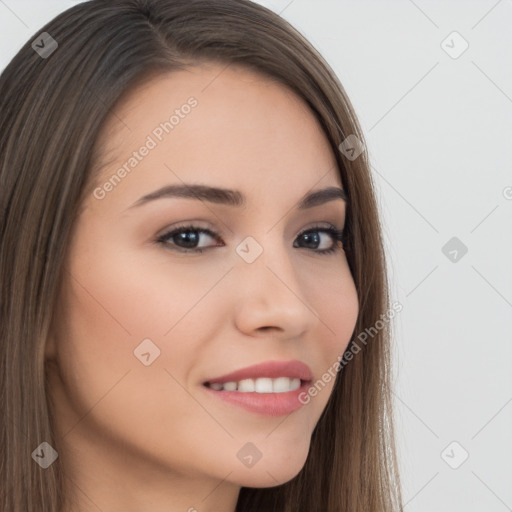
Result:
pixel 261 385
pixel 228 386
pixel 246 386
pixel 283 384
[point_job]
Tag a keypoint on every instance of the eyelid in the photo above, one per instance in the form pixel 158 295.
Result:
pixel 337 235
pixel 214 232
pixel 197 224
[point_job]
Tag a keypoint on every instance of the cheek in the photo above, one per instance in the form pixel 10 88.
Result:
pixel 337 305
pixel 136 292
pixel 113 305
pixel 118 300
pixel 338 312
pixel 334 299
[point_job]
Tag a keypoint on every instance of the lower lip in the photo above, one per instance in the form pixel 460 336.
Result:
pixel 268 404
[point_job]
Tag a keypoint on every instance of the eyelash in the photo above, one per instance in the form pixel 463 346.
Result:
pixel 337 236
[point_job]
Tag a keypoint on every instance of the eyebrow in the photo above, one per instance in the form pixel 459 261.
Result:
pixel 235 198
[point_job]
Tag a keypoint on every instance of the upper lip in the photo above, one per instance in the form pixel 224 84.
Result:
pixel 270 369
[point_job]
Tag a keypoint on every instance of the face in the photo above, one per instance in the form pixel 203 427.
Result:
pixel 165 293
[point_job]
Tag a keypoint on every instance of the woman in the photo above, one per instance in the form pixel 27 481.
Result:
pixel 190 258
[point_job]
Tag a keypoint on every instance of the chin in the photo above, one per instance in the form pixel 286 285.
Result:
pixel 277 471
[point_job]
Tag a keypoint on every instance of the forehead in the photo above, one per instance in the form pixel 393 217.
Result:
pixel 244 131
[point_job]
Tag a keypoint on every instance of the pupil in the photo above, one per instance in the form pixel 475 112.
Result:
pixel 313 238
pixel 189 240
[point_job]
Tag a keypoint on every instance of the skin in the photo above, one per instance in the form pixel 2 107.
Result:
pixel 149 438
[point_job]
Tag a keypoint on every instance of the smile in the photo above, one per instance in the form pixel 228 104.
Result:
pixel 259 385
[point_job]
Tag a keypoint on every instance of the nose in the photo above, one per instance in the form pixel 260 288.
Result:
pixel 270 297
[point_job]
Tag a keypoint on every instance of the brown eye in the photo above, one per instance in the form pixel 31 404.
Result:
pixel 313 239
pixel 186 238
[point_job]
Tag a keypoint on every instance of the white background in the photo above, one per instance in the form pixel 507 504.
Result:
pixel 439 134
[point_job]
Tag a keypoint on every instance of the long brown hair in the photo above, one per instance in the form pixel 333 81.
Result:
pixel 52 108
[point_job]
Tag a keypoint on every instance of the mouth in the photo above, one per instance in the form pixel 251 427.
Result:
pixel 273 388
pixel 259 385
